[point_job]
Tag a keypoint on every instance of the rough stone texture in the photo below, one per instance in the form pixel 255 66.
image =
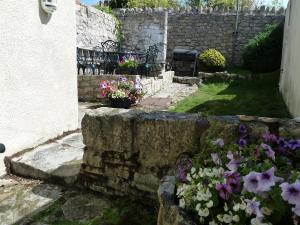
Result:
pixel 289 129
pixel 187 80
pixel 221 76
pixel 57 162
pixel 169 212
pixel 94 27
pixel 200 30
pixel 142 30
pixel 136 147
pixel 88 86
pixel 21 199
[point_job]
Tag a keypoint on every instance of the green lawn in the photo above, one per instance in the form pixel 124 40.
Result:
pixel 259 96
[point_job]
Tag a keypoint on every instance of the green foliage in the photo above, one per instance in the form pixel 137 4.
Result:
pixel 118 4
pixel 152 3
pixel 212 60
pixel 221 3
pixel 263 52
pixel 105 9
pixel 129 64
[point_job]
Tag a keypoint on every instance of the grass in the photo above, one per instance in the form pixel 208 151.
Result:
pixel 259 96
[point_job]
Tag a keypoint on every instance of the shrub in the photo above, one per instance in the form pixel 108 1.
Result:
pixel 212 61
pixel 263 52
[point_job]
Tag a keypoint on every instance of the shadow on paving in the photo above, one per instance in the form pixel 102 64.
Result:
pixel 257 97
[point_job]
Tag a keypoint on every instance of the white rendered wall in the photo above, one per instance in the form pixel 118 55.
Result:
pixel 38 82
pixel 290 73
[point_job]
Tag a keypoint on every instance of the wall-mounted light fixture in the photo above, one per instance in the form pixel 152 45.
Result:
pixel 49 6
pixel 2 148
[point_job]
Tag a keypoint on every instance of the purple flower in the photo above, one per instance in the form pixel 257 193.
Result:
pixel 294 144
pixel 233 179
pixel 242 143
pixel 122 79
pixel 219 142
pixel 270 138
pixel 268 150
pixel 242 129
pixel 291 192
pixel 182 173
pixel 224 191
pixel 234 163
pixel 103 86
pixel 138 86
pixel 216 159
pixel 251 182
pixel 253 207
pixel 296 209
pixel 283 144
pixel 267 180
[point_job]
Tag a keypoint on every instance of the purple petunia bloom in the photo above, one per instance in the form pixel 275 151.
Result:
pixel 267 180
pixel 296 209
pixel 270 138
pixel 233 179
pixel 242 143
pixel 294 144
pixel 269 151
pixel 224 191
pixel 103 86
pixel 219 142
pixel 216 159
pixel 251 182
pixel 291 192
pixel 234 163
pixel 253 207
pixel 122 79
pixel 283 144
pixel 242 129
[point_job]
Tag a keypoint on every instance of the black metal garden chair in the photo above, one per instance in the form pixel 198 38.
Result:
pixel 110 51
pixel 85 61
pixel 150 60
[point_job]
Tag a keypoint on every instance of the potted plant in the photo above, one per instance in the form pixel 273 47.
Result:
pixel 122 93
pixel 128 65
pixel 244 182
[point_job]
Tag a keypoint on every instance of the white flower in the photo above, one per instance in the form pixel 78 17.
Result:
pixel 209 204
pixel 236 218
pixel 220 217
pixel 181 203
pixel 227 218
pixel 236 207
pixel 198 206
pixel 188 177
pixel 212 223
pixel 257 221
pixel 203 212
pixel 225 207
pixel 193 170
pixel 266 211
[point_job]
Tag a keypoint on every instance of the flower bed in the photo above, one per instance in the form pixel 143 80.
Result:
pixel 122 93
pixel 247 181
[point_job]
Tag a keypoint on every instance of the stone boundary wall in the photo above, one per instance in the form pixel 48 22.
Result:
pixel 88 85
pixel 142 30
pixel 201 28
pixel 128 151
pixel 94 27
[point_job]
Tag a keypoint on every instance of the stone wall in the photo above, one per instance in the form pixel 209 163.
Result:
pixel 200 30
pixel 88 85
pixel 129 151
pixel 94 27
pixel 142 30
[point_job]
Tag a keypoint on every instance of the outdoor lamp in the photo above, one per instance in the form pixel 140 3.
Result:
pixel 49 6
pixel 2 148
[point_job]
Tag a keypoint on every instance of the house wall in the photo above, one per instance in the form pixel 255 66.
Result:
pixel 290 72
pixel 38 83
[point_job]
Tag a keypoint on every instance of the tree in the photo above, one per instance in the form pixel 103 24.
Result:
pixel 221 3
pixel 118 4
pixel 152 3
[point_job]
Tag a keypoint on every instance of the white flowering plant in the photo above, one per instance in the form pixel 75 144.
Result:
pixel 243 183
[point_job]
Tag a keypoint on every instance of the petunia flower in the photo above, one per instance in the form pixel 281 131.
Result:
pixel 294 144
pixel 291 192
pixel 269 151
pixel 242 143
pixel 216 159
pixel 219 142
pixel 296 209
pixel 242 129
pixel 234 163
pixel 224 191
pixel 270 138
pixel 251 182
pixel 267 180
pixel 233 179
pixel 253 208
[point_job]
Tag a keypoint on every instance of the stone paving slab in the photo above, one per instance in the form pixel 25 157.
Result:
pixel 21 199
pixel 57 162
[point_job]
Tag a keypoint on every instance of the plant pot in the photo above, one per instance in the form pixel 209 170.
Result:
pixel 126 71
pixel 121 103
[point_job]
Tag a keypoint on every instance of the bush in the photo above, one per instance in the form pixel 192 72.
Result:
pixel 212 60
pixel 263 52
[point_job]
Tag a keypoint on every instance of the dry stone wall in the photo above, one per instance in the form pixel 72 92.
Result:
pixel 128 151
pixel 94 27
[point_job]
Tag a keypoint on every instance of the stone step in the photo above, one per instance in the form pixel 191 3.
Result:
pixel 58 162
